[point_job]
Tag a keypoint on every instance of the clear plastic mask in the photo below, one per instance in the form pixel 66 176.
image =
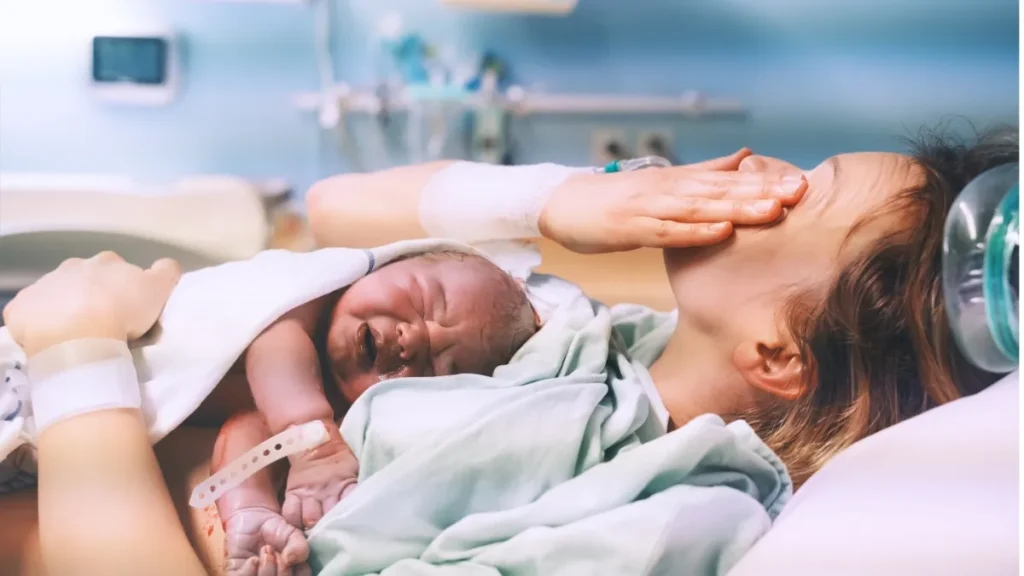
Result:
pixel 981 270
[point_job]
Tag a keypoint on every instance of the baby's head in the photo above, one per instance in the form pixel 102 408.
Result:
pixel 430 314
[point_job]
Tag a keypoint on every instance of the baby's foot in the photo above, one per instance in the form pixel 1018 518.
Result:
pixel 315 485
pixel 260 541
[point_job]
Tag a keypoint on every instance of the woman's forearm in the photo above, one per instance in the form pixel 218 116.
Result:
pixel 365 210
pixel 103 504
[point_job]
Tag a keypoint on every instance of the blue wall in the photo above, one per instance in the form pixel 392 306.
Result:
pixel 819 77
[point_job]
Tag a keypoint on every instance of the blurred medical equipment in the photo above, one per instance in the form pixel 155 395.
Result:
pixel 135 66
pixel 981 269
pixel 549 7
pixel 516 101
pixel 937 494
pixel 200 221
pixel 429 89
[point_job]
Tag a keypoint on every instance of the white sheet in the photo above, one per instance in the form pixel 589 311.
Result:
pixel 936 495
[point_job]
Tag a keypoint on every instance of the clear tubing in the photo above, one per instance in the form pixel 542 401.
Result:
pixel 632 164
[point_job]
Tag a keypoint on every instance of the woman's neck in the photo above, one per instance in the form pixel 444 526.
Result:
pixel 692 377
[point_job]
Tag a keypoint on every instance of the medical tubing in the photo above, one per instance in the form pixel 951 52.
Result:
pixel 632 164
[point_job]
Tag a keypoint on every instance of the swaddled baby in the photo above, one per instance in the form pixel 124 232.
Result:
pixel 431 314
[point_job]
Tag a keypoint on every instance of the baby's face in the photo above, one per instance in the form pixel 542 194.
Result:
pixel 416 317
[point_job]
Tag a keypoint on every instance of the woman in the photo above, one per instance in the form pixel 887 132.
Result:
pixel 103 507
pixel 103 504
pixel 838 327
pixel 781 374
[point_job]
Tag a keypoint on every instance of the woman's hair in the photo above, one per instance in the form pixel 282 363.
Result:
pixel 877 342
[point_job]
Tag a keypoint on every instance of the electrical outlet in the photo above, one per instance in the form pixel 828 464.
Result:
pixel 655 143
pixel 608 144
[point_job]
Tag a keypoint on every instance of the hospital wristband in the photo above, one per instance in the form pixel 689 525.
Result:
pixel 81 376
pixel 475 202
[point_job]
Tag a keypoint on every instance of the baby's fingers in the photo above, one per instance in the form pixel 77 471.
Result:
pixel 312 512
pixel 292 510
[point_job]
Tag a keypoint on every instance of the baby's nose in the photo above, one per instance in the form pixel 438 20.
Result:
pixel 411 341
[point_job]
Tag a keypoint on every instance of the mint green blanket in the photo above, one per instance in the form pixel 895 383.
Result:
pixel 559 464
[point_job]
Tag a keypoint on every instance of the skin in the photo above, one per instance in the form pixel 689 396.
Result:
pixel 103 505
pixel 159 540
pixel 422 316
pixel 730 350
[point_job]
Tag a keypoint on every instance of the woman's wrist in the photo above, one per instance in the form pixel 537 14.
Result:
pixel 481 202
pixel 70 332
pixel 79 377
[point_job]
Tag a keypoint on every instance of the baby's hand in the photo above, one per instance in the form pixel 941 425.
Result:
pixel 316 483
pixel 260 541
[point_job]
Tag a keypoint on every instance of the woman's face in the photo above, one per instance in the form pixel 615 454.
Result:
pixel 735 291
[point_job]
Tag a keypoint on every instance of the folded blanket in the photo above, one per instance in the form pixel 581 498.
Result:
pixel 211 317
pixel 559 464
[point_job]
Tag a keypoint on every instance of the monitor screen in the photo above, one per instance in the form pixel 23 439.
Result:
pixel 128 59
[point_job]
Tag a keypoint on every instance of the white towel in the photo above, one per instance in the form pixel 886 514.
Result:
pixel 211 317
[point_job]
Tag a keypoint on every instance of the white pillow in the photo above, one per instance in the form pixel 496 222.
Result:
pixel 936 494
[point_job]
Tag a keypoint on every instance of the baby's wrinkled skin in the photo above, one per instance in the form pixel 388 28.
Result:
pixel 423 316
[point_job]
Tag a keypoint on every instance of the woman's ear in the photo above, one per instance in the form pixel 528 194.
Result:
pixel 775 368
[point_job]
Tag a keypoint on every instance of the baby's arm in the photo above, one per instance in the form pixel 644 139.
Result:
pixel 284 375
pixel 282 363
pixel 256 537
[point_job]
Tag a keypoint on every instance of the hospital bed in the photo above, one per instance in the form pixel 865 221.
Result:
pixel 199 221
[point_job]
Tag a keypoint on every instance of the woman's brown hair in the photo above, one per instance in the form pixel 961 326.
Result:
pixel 877 341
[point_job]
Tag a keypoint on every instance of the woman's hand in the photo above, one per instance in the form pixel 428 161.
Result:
pixel 685 206
pixel 102 297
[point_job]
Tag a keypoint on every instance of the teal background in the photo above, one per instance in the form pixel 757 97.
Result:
pixel 818 76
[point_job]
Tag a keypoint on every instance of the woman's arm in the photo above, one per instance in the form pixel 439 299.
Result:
pixel 366 210
pixel 103 505
pixel 683 206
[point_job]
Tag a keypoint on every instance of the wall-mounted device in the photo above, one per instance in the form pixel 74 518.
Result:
pixel 135 68
pixel 549 7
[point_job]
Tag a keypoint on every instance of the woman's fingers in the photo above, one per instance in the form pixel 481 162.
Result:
pixel 789 188
pixel 155 285
pixel 163 275
pixel 693 210
pixel 656 233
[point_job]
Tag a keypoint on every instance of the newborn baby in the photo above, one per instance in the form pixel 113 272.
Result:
pixel 428 315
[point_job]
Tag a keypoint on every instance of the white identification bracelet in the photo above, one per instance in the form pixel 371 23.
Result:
pixel 81 376
pixel 477 202
pixel 292 441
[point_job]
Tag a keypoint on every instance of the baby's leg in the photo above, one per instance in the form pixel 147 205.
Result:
pixel 257 537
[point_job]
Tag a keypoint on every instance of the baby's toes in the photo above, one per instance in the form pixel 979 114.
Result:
pixel 289 541
pixel 268 563
pixel 272 563
pixel 242 567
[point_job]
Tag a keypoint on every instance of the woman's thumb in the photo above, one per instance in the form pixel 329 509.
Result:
pixel 724 163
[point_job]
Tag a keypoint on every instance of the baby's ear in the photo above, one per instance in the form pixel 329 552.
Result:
pixel 537 321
